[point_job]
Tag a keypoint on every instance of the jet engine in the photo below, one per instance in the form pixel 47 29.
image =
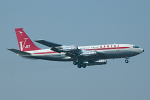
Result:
pixel 67 48
pixel 97 62
pixel 88 53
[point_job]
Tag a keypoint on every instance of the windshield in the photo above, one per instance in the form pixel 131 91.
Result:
pixel 135 47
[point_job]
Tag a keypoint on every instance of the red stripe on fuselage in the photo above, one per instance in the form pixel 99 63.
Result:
pixel 45 52
pixel 86 49
pixel 108 48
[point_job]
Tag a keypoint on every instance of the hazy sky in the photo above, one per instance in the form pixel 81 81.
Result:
pixel 75 22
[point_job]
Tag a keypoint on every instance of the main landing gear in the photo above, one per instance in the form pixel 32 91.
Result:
pixel 75 62
pixel 79 64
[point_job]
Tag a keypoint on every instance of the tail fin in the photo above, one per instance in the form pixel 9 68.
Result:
pixel 24 42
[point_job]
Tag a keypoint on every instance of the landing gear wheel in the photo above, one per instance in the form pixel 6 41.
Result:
pixel 84 66
pixel 74 62
pixel 126 61
pixel 79 65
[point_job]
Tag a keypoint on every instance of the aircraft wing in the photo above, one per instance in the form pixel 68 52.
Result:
pixel 71 51
pixel 55 47
pixel 47 43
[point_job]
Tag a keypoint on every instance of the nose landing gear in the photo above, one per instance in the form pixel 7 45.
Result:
pixel 126 61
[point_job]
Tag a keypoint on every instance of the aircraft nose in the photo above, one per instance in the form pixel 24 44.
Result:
pixel 142 50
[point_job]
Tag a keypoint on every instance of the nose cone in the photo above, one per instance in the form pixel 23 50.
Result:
pixel 141 50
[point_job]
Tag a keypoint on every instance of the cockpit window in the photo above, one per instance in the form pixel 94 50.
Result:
pixel 135 47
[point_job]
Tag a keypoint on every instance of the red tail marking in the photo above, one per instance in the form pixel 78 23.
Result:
pixel 24 42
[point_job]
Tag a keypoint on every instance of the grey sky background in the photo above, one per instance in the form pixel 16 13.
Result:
pixel 78 22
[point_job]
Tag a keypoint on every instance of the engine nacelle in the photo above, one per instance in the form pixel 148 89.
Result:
pixel 98 62
pixel 68 48
pixel 88 53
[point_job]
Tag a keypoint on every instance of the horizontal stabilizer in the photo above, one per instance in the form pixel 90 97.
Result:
pixel 22 53
pixel 47 43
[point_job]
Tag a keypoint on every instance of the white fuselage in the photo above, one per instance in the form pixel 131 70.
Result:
pixel 110 51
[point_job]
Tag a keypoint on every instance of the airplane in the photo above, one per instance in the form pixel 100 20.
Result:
pixel 81 56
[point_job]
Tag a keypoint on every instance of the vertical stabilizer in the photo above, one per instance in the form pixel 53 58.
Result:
pixel 24 42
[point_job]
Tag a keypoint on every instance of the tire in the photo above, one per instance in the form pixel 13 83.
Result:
pixel 126 61
pixel 74 62
pixel 79 65
pixel 84 66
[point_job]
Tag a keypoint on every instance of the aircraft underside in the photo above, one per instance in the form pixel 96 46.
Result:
pixel 84 61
